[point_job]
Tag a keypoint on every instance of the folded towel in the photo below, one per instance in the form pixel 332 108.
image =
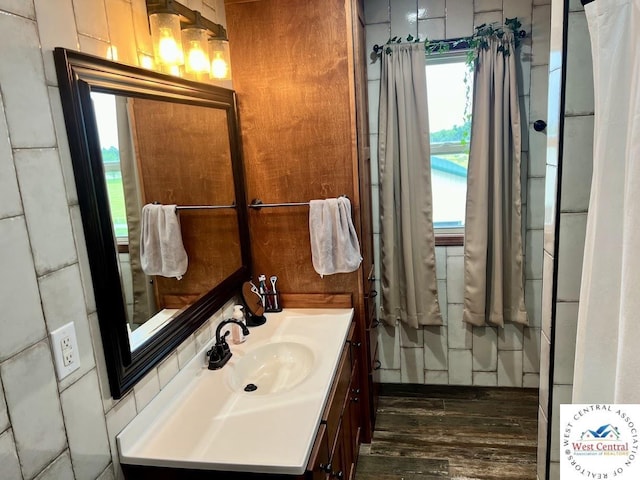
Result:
pixel 161 248
pixel 334 243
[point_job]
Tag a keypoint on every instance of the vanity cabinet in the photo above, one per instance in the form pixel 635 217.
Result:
pixel 299 71
pixel 335 450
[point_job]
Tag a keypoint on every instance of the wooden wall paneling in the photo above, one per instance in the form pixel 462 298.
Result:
pixel 293 67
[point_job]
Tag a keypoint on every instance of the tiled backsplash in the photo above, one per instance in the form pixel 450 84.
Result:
pixel 458 353
pixel 50 429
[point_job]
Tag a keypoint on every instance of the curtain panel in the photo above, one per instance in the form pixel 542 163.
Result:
pixel 493 255
pixel 409 286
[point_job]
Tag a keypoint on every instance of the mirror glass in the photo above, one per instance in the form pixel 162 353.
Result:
pixel 137 138
pixel 152 152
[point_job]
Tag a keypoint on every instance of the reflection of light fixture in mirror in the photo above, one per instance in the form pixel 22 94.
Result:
pixel 194 42
pixel 167 43
pixel 220 60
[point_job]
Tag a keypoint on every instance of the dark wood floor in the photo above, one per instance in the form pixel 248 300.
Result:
pixel 462 433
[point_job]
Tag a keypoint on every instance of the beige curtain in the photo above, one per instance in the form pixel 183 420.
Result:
pixel 143 297
pixel 409 288
pixel 493 272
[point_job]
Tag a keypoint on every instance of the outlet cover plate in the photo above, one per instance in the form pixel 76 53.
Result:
pixel 66 334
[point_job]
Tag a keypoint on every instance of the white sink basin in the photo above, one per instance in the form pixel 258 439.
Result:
pixel 272 368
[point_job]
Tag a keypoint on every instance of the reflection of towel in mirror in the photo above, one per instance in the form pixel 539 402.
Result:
pixel 334 243
pixel 161 248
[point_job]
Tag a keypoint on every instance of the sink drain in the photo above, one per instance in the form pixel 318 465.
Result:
pixel 250 387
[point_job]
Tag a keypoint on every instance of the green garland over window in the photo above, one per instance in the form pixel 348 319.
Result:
pixel 479 40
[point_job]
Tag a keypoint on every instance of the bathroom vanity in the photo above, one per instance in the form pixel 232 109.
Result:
pixel 285 406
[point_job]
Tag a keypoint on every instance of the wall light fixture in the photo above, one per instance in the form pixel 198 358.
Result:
pixel 182 42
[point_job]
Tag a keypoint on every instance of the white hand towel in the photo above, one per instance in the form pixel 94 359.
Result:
pixel 161 249
pixel 334 243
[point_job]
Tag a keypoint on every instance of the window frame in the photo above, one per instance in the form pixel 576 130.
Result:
pixel 447 236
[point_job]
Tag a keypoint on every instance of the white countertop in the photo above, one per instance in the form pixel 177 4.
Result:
pixel 199 422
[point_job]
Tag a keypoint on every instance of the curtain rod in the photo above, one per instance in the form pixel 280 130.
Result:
pixel 462 43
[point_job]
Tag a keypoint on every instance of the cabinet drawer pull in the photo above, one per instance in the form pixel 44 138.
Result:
pixel 338 474
pixel 355 399
pixel 325 468
pixel 355 344
pixel 377 365
pixel 355 390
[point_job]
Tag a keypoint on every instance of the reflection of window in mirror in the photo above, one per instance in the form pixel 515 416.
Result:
pixel 122 184
pixel 105 109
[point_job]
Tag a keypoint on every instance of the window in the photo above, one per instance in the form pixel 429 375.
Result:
pixel 449 91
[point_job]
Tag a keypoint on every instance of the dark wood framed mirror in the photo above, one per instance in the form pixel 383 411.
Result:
pixel 138 137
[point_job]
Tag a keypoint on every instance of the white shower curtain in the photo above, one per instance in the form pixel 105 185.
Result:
pixel 607 362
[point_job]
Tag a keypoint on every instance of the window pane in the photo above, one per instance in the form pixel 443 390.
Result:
pixel 449 90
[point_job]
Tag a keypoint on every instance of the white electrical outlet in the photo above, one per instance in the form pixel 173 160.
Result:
pixel 65 350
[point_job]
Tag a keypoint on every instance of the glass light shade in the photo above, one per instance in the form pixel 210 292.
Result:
pixel 220 59
pixel 167 43
pixel 196 51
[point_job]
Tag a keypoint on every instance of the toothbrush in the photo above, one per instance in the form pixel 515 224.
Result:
pixel 274 279
pixel 264 291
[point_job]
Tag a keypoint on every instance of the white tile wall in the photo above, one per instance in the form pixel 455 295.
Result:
pixel 404 18
pixel 45 206
pixel 61 305
pixel 459 22
pixel 412 365
pixel 56 28
pixel 431 9
pixel 86 427
pixel 487 5
pixel 168 369
pixel 146 389
pixel 566 326
pixel 58 430
pixel 23 85
pixel 485 355
pixel 10 203
pixel 570 251
pixel 509 368
pixel 577 164
pixel 460 367
pixel 120 21
pixel 579 89
pixel 485 379
pixel 4 418
pixel 435 348
pixel 19 7
pixel 9 463
pixel 91 19
pixel 541 34
pixel 22 322
pixel 377 12
pixel 389 346
pixel 431 29
pixel 60 469
pixel 34 407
